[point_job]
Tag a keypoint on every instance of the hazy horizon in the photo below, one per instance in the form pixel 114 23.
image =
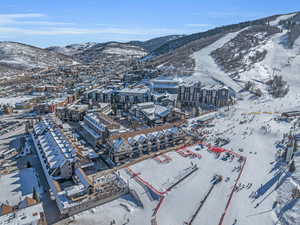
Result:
pixel 59 23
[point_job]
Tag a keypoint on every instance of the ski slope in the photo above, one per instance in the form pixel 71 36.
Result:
pixel 279 60
pixel 282 17
pixel 207 71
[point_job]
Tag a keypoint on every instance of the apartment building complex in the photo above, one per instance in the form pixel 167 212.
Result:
pixel 64 164
pixel 133 144
pixel 194 93
pixel 96 127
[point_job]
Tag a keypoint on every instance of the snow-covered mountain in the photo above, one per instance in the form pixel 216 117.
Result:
pixel 148 45
pixel 92 52
pixel 154 43
pixel 234 54
pixel 20 57
pixel 112 50
pixel 230 54
pixel 72 49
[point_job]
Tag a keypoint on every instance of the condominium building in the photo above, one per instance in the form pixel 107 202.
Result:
pixel 58 154
pixel 133 95
pixel 165 85
pixel 134 144
pixel 74 113
pixel 96 127
pixel 121 98
pixel 153 114
pixel 194 93
pixel 64 166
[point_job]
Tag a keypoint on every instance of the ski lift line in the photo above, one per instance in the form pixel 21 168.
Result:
pixel 201 204
pixel 232 193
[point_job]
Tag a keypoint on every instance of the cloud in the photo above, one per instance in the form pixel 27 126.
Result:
pixel 12 18
pixel 20 19
pixel 18 24
pixel 79 31
pixel 22 15
pixel 45 23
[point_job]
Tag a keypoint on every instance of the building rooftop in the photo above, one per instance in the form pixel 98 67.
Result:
pixel 57 148
pixel 25 216
pixel 17 185
pixel 128 135
pixel 134 90
pixel 152 110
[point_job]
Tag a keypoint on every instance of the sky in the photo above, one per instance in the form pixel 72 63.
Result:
pixel 46 23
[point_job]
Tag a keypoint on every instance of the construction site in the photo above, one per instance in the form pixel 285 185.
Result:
pixel 66 164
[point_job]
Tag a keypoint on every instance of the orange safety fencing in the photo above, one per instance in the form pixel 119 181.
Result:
pixel 231 193
pixel 187 153
pixel 162 158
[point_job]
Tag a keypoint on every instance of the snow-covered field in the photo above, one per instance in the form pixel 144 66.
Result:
pixel 185 196
pixel 13 100
pixel 16 185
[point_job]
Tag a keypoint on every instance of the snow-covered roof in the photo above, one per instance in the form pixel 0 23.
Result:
pixel 90 131
pixel 144 137
pixel 25 216
pixel 57 149
pixel 93 119
pixel 164 85
pixel 133 91
pixel 152 111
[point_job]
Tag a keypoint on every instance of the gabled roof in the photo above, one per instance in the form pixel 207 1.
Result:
pixel 127 135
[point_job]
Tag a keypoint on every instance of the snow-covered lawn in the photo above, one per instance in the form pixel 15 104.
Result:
pixel 259 148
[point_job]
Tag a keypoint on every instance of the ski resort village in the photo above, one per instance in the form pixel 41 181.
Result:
pixel 178 130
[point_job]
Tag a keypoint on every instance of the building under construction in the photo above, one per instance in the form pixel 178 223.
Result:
pixel 67 169
pixel 125 146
